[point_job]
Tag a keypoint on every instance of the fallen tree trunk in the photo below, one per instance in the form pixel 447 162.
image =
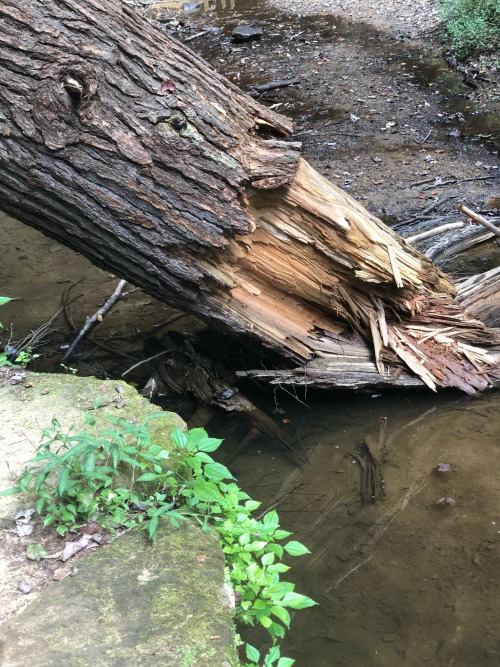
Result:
pixel 124 145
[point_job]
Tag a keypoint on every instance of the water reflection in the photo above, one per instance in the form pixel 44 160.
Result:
pixel 405 581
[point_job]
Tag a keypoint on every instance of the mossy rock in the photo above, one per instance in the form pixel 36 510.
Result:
pixel 29 406
pixel 132 604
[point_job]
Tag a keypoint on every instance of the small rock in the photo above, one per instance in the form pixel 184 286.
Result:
pixel 24 587
pixel 245 33
pixel 377 159
pixel 389 637
pixel 190 7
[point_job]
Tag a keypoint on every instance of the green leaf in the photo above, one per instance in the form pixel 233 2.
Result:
pixel 209 445
pixel 152 527
pixel 285 662
pixel 265 621
pixel 89 462
pixel 179 437
pixel 88 419
pixel 63 481
pixel 10 492
pixel 295 548
pixel 268 559
pixel 252 505
pixel 282 614
pixel 278 568
pixel 297 601
pixel 35 552
pixel 39 505
pixel 147 477
pixel 281 534
pixel 198 441
pixel 163 509
pixel 216 472
pixel 252 653
pixel 272 655
pixel 4 300
pixel 271 520
pixel 276 549
pixel 207 492
pixel 204 457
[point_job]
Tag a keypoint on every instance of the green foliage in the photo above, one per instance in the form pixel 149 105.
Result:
pixel 35 552
pixel 471 25
pixel 25 357
pixel 69 369
pixel 120 478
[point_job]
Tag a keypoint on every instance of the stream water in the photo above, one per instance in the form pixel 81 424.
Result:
pixel 406 581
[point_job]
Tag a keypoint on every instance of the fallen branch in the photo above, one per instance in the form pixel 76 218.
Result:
pixel 435 232
pixel 273 85
pixel 96 317
pixel 436 183
pixel 428 209
pixel 479 218
pixel 458 180
pixel 198 34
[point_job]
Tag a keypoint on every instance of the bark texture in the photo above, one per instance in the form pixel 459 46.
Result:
pixel 124 145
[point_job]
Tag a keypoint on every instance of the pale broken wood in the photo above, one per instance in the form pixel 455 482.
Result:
pixel 124 145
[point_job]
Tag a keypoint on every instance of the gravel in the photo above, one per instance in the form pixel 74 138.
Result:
pixel 407 19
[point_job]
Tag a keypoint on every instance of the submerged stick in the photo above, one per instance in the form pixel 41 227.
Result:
pixel 96 317
pixel 435 232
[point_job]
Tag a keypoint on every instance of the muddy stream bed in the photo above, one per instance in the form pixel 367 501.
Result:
pixel 408 580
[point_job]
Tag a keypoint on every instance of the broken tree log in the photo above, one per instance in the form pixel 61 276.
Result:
pixel 124 145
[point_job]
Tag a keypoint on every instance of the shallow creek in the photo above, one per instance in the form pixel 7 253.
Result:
pixel 406 581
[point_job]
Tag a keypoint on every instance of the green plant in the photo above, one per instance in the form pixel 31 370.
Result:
pixel 81 477
pixel 471 25
pixel 25 357
pixel 69 369
pixel 120 478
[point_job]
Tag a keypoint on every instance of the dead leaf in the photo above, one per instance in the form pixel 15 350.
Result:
pixel 24 529
pixel 201 558
pixel 61 573
pixel 72 548
pixel 90 528
pixel 168 86
pixel 23 516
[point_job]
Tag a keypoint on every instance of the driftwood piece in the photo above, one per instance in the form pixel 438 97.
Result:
pixel 479 218
pixel 124 145
pixel 480 297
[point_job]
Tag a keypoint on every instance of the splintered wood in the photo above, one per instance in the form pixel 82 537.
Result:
pixel 318 261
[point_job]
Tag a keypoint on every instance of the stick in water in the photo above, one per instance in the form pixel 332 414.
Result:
pixel 96 317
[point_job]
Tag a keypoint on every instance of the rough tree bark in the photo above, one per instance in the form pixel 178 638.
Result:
pixel 124 145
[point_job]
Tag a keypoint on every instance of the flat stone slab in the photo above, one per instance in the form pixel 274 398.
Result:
pixel 132 604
